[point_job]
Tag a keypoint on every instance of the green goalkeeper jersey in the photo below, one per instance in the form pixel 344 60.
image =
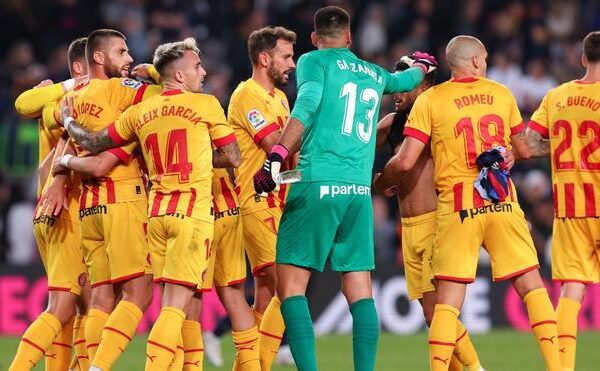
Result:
pixel 338 102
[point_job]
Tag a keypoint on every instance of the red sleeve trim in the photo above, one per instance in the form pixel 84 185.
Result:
pixel 417 134
pixel 140 94
pixel 228 139
pixel 115 136
pixel 121 154
pixel 517 129
pixel 539 128
pixel 260 135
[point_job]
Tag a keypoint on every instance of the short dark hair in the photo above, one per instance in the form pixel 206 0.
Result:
pixel 265 40
pixel 591 46
pixel 96 39
pixel 428 78
pixel 77 50
pixel 330 21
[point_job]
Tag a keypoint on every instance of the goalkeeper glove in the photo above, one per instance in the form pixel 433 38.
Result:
pixel 425 61
pixel 264 179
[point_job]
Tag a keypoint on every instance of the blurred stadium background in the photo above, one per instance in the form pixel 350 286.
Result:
pixel 533 46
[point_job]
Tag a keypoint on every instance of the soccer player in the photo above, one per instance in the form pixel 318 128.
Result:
pixel 329 212
pixel 478 114
pixel 176 129
pixel 112 209
pixel 57 237
pixel 566 128
pixel 256 112
pixel 227 269
pixel 417 201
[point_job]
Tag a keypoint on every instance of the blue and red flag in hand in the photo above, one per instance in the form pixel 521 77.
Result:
pixel 492 182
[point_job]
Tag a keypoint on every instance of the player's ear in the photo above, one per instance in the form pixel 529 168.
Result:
pixel 475 62
pixel 179 77
pixel 98 57
pixel 313 39
pixel 264 58
pixel 584 61
pixel 348 38
pixel 78 67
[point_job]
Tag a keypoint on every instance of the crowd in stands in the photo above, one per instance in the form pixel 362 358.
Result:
pixel 533 46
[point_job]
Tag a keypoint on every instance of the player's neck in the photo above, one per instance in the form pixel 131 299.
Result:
pixel 592 73
pixel 97 72
pixel 261 77
pixel 331 43
pixel 463 74
pixel 173 85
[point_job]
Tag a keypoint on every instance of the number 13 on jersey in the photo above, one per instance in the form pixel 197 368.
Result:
pixel 369 100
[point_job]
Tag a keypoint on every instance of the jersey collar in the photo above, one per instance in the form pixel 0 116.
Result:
pixel 172 92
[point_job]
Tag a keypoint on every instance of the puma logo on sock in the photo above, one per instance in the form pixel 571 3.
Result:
pixel 550 339
pixel 444 361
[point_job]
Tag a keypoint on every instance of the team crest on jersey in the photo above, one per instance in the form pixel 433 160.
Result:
pixel 130 83
pixel 285 105
pixel 256 119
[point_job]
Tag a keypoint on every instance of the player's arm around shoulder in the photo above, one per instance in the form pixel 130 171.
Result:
pixel 93 141
pixel 537 133
pixel 31 102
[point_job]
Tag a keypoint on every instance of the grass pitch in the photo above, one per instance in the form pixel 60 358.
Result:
pixel 500 350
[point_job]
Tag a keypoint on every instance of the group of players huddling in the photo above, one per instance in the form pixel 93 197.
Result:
pixel 151 182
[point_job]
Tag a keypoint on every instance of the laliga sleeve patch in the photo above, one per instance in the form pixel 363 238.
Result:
pixel 256 119
pixel 130 83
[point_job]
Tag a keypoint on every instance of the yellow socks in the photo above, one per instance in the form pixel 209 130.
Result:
pixel 193 346
pixel 543 324
pixel 258 319
pixel 246 345
pixel 442 336
pixel 36 339
pixel 163 339
pixel 270 333
pixel 117 333
pixel 93 331
pixel 58 355
pixel 455 364
pixel 178 359
pixel 566 313
pixel 464 349
pixel 81 357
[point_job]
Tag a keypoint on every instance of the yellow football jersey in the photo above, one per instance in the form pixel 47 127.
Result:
pixel 175 130
pixel 97 104
pixel 225 194
pixel 73 186
pixel 463 118
pixel 569 116
pixel 30 103
pixel 253 114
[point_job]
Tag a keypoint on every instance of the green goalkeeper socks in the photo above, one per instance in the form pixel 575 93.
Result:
pixel 300 333
pixel 365 330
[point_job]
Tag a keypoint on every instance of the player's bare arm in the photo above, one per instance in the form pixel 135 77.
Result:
pixel 538 146
pixel 400 164
pixel 291 136
pixel 228 155
pixel 520 147
pixel 95 142
pixel 383 130
pixel 94 166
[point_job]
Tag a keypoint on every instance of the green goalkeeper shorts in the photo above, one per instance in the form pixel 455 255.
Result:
pixel 323 219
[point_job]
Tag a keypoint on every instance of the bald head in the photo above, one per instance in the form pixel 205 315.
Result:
pixel 467 54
